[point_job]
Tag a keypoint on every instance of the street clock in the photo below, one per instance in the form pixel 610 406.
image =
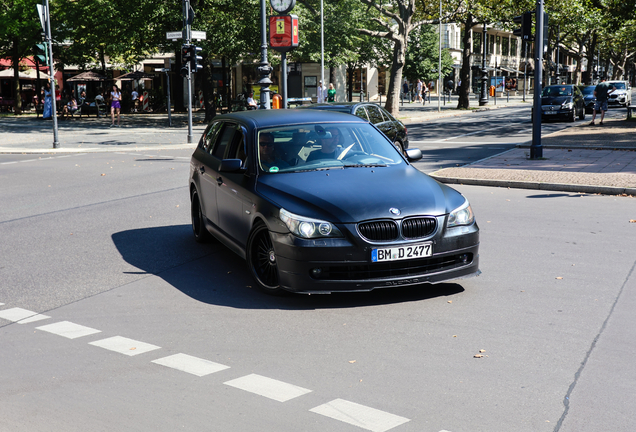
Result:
pixel 282 6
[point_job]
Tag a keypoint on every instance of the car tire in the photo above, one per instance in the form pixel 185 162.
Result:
pixel 572 118
pixel 398 145
pixel 201 233
pixel 261 260
pixel 582 115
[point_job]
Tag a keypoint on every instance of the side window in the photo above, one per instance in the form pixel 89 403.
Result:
pixel 238 149
pixel 387 116
pixel 224 140
pixel 375 116
pixel 361 112
pixel 210 135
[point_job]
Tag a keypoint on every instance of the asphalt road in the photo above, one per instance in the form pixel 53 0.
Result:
pixel 141 328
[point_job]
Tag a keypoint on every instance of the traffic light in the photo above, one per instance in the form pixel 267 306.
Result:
pixel 525 31
pixel 42 53
pixel 195 58
pixel 185 60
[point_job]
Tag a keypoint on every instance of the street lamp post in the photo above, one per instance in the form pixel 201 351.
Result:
pixel 483 97
pixel 264 69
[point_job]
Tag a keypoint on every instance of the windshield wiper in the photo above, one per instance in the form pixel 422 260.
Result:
pixel 364 165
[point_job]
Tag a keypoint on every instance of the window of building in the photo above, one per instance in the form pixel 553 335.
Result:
pixel 505 46
pixel 513 46
pixel 491 45
pixel 476 42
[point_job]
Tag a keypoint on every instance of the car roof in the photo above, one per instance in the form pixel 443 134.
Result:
pixel 262 118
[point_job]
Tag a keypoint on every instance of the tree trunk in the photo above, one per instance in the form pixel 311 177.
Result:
pixel 590 60
pixel 17 97
pixel 464 72
pixel 393 93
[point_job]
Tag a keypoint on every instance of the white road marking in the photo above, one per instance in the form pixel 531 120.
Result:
pixel 1 304
pixel 68 329
pixel 268 387
pixel 360 415
pixel 20 315
pixel 124 345
pixel 193 365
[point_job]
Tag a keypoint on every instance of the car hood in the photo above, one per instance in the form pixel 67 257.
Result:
pixel 555 100
pixel 355 194
pixel 618 92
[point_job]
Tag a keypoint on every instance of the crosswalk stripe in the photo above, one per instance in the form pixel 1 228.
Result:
pixel 268 387
pixel 359 415
pixel 193 365
pixel 21 316
pixel 124 345
pixel 68 329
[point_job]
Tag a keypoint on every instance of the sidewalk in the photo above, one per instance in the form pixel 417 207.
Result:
pixel 583 158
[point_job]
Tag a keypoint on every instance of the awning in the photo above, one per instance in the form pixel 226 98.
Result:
pixel 88 76
pixel 134 76
pixel 8 73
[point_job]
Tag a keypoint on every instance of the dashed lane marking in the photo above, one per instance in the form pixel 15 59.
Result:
pixel 124 345
pixel 193 365
pixel 68 329
pixel 359 415
pixel 21 316
pixel 268 387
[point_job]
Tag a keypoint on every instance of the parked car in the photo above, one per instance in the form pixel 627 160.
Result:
pixel 562 101
pixel 588 97
pixel 307 219
pixel 622 96
pixel 375 114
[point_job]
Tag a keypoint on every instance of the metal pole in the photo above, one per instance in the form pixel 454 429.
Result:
pixel 264 69
pixel 322 53
pixel 49 40
pixel 283 77
pixel 186 15
pixel 536 149
pixel 483 99
pixel 495 80
pixel 439 66
pixel 169 106
pixel 525 72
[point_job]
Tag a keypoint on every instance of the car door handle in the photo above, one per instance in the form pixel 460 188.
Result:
pixel 202 169
pixel 219 181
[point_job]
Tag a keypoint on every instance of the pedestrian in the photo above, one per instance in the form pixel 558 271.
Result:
pixel 405 89
pixel 135 99
pixel 322 92
pixel 601 92
pixel 331 93
pixel 47 108
pixel 425 93
pixel 115 105
pixel 418 89
pixel 251 103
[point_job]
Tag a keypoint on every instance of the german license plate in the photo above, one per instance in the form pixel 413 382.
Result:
pixel 549 112
pixel 404 252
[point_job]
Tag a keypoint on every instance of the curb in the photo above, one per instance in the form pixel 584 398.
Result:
pixel 558 187
pixel 96 150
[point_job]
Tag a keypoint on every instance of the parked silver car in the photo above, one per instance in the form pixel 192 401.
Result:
pixel 622 96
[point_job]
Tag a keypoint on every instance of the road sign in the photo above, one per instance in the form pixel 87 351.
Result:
pixel 42 15
pixel 199 35
pixel 174 35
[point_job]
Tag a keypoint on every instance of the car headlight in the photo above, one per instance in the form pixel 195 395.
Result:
pixel 567 105
pixel 462 215
pixel 308 228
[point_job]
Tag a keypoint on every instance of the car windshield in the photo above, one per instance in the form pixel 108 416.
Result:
pixel 588 90
pixel 553 91
pixel 618 85
pixel 324 146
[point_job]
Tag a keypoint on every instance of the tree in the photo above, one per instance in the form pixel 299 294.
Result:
pixel 422 55
pixel 397 18
pixel 20 30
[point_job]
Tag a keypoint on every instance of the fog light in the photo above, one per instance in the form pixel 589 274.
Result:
pixel 316 272
pixel 463 258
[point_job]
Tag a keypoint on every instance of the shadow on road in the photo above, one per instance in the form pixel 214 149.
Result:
pixel 213 274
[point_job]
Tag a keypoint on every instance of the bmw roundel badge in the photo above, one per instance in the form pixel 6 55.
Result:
pixel 395 211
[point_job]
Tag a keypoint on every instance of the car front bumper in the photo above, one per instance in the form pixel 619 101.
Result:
pixel 340 265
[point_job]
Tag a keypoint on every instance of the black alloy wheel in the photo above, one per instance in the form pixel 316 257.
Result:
pixel 261 260
pixel 573 115
pixel 201 234
pixel 582 115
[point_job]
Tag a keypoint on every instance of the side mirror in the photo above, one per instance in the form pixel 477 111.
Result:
pixel 231 165
pixel 413 154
